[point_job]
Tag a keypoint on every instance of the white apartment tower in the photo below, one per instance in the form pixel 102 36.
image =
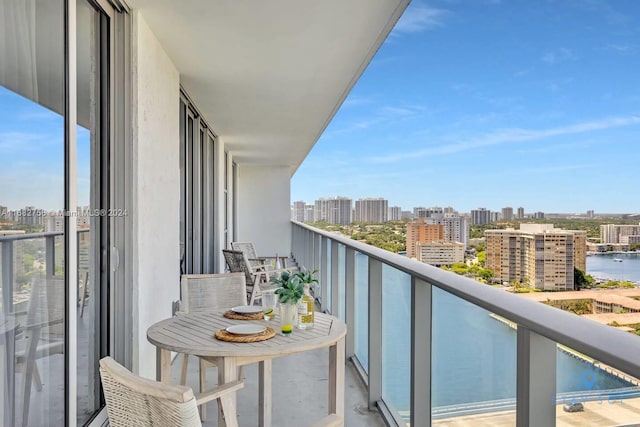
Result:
pixel 480 216
pixel 507 213
pixel 395 213
pixel 372 210
pixel 298 212
pixel 335 210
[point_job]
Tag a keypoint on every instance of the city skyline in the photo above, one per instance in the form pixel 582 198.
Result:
pixel 494 104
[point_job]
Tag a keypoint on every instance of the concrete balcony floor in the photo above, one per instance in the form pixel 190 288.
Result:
pixel 300 392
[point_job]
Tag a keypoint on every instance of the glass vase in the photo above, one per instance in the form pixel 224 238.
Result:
pixel 288 317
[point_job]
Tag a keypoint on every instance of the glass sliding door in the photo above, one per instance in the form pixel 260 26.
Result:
pixel 197 182
pixel 32 196
pixel 93 211
pixel 54 209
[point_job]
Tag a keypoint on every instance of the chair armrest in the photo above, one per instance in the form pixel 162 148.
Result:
pixel 217 392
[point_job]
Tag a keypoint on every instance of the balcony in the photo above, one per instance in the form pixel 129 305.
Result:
pixel 409 363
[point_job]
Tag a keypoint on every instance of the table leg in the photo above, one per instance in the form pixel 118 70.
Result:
pixel 264 393
pixel 163 365
pixel 336 378
pixel 227 372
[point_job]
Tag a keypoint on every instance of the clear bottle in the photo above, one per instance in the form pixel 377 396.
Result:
pixel 306 308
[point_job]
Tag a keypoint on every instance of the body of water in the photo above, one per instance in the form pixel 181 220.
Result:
pixel 604 266
pixel 474 355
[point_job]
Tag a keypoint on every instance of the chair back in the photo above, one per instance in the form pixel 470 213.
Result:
pixel 249 251
pixel 238 263
pixel 201 292
pixel 136 401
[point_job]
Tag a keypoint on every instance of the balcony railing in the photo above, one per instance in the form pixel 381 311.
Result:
pixel 417 332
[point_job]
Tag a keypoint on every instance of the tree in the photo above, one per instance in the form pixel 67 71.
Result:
pixel 581 280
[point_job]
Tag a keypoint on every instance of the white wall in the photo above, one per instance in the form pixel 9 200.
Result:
pixel 263 208
pixel 156 189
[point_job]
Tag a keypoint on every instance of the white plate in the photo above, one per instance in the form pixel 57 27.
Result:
pixel 246 309
pixel 245 329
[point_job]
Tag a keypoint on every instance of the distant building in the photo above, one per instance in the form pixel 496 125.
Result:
pixel 480 216
pixel 507 213
pixel 420 231
pixel 538 215
pixel 442 227
pixel 335 210
pixel 309 213
pixel 371 210
pixel 537 254
pixel 395 213
pixel 591 214
pixel 299 208
pixel 440 253
pixel 3 213
pixel 520 213
pixel 420 212
pixel 612 233
pixel 406 215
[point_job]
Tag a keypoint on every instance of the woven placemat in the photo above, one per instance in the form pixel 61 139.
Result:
pixel 223 335
pixel 241 316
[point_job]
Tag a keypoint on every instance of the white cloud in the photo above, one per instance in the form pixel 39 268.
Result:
pixel 509 136
pixel 420 18
pixel 559 55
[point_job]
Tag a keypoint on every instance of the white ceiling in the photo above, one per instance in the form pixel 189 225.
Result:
pixel 269 75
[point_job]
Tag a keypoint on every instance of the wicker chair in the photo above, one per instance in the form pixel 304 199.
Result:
pixel 238 263
pixel 206 292
pixel 136 401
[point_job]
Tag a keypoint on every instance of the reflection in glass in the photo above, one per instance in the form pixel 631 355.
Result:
pixel 473 362
pixel 91 212
pixel 32 273
pixel 396 339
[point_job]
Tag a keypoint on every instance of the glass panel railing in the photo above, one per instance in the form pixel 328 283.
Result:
pixel 473 369
pixel 592 393
pixel 362 310
pixel 327 298
pixel 340 312
pixel 396 340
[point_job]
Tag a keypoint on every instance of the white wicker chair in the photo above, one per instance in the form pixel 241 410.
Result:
pixel 206 292
pixel 136 401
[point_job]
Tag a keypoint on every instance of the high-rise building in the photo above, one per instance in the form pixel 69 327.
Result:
pixel 480 216
pixel 591 214
pixel 374 210
pixel 420 212
pixel 440 253
pixel 420 231
pixel 539 255
pixel 520 213
pixel 507 213
pixel 299 208
pixel 335 210
pixel 612 233
pixel 538 215
pixel 406 215
pixel 395 213
pixel 3 212
pixel 309 213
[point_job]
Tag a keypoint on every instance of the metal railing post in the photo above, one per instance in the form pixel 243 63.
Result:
pixel 324 274
pixel 50 255
pixel 535 379
pixel 421 322
pixel 7 276
pixel 375 332
pixel 335 279
pixel 350 301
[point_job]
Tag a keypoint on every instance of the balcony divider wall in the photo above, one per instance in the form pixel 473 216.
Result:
pixel 540 329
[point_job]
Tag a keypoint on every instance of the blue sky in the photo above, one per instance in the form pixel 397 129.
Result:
pixel 492 104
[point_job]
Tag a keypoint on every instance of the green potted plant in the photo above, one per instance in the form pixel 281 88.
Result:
pixel 290 291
